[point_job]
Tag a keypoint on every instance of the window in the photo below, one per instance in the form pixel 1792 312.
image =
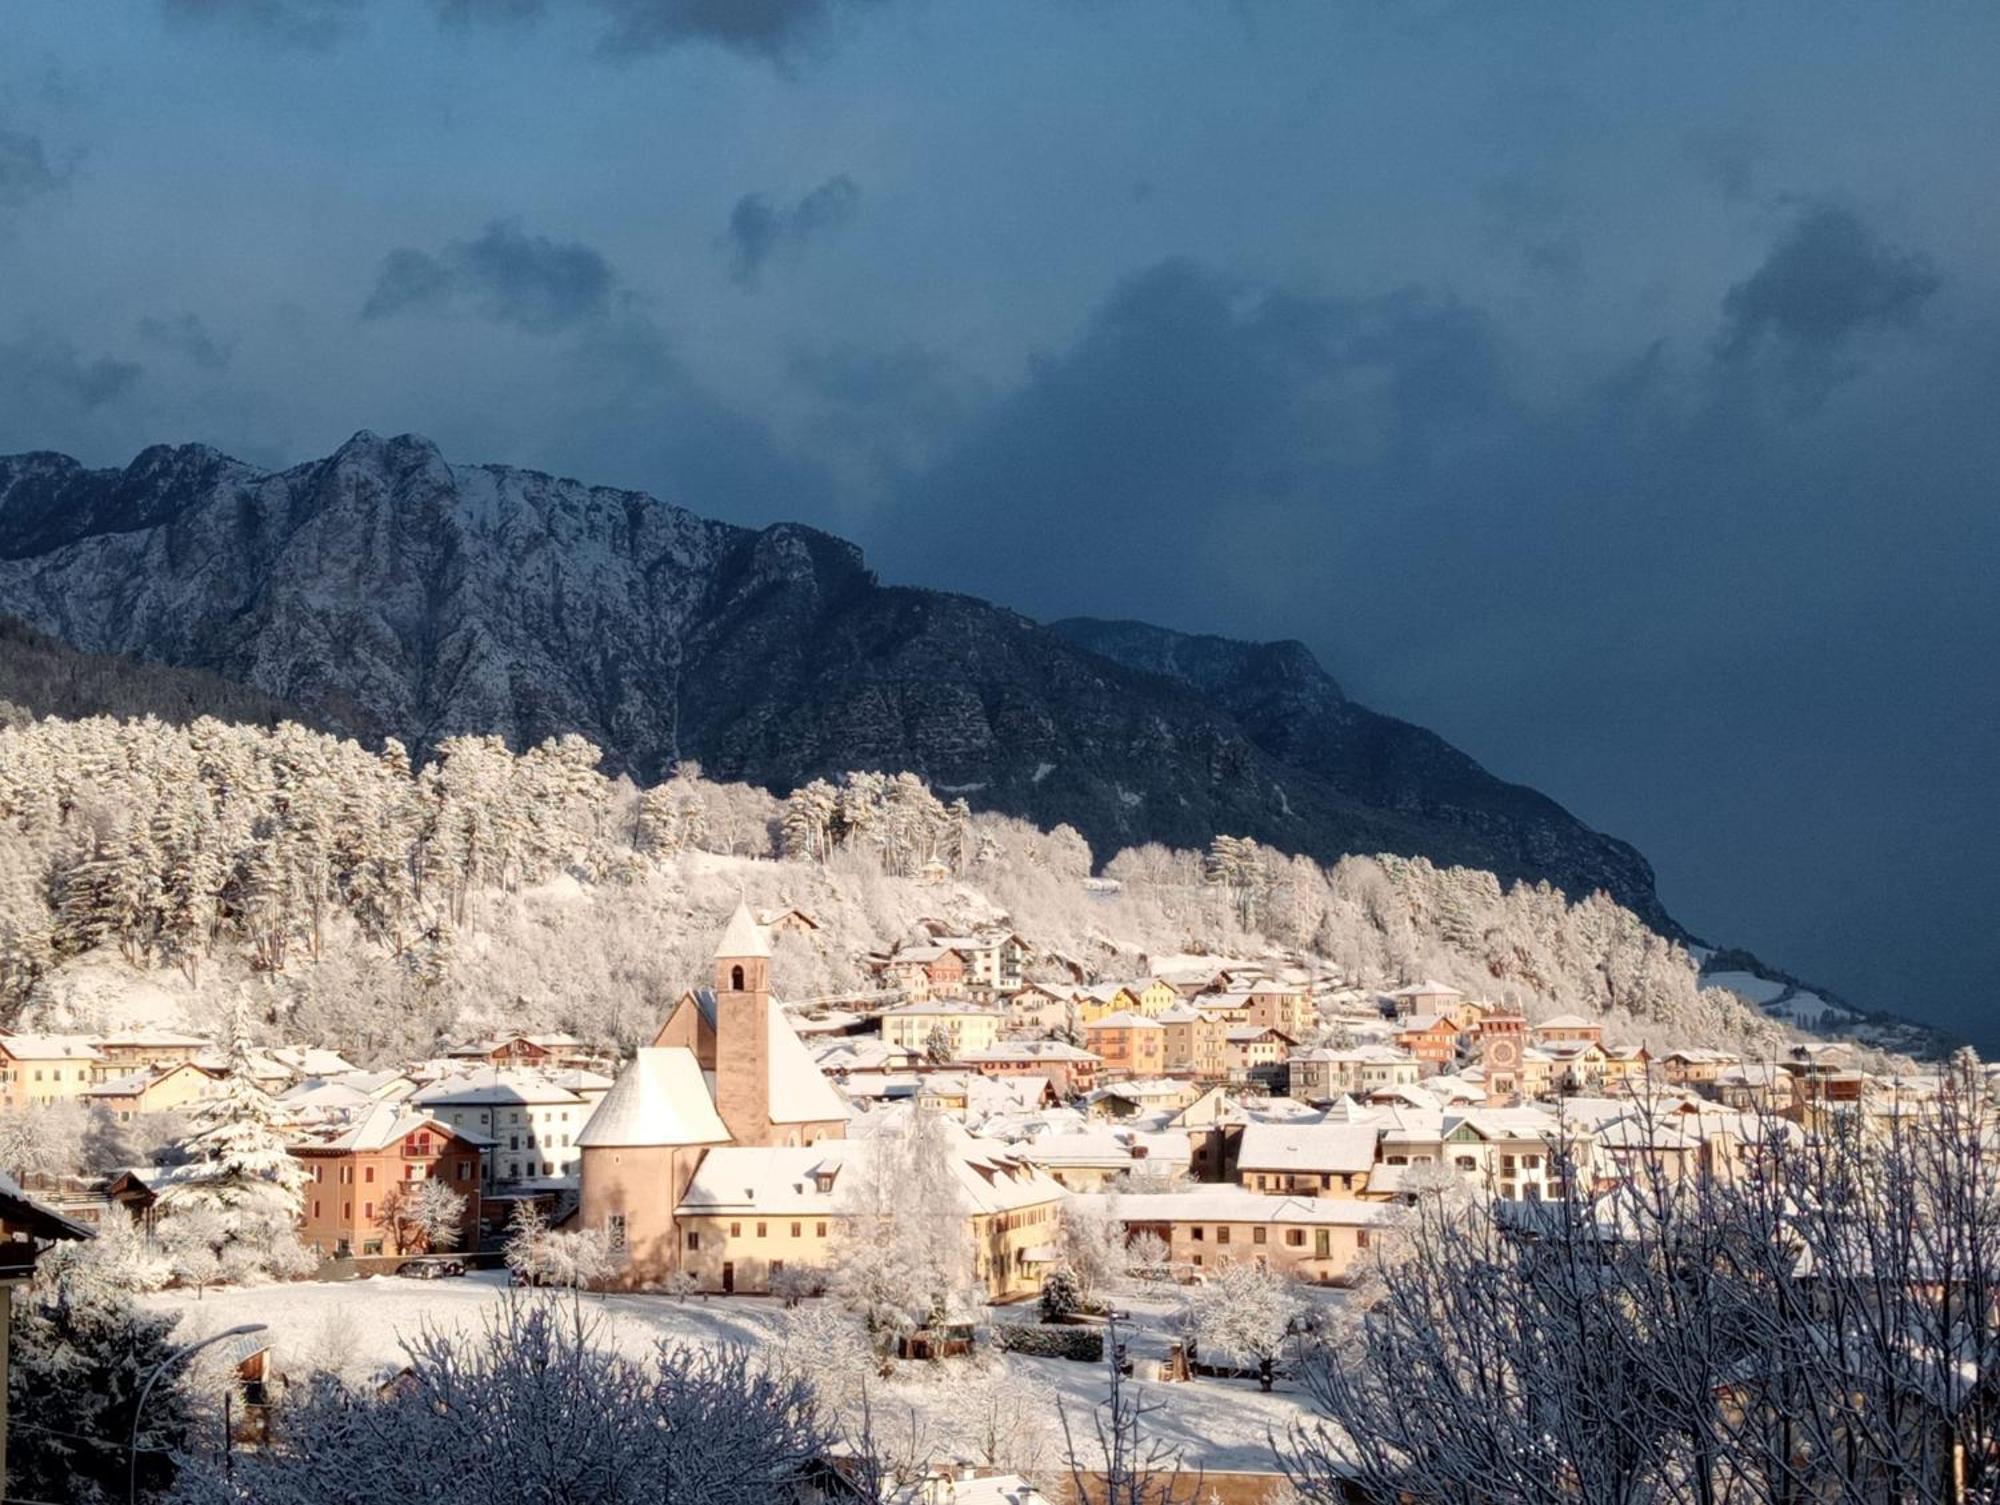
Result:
pixel 736 979
pixel 795 1230
pixel 1222 1235
pixel 368 1173
pixel 368 1209
pixel 465 1170
pixel 820 1229
pixel 1256 1235
pixel 760 1230
pixel 777 1267
pixel 614 1227
pixel 694 1239
pixel 346 1210
pixel 1295 1238
pixel 1197 1233
pixel 1361 1238
pixel 736 1230
pixel 315 1206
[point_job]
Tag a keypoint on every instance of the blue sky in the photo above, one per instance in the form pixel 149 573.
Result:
pixel 1608 387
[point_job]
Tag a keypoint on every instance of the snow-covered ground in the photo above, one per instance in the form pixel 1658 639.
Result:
pixel 1781 1000
pixel 357 1326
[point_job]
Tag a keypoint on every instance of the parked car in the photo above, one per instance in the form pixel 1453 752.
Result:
pixel 431 1268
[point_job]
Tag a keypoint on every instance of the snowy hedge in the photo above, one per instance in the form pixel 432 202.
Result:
pixel 1084 1344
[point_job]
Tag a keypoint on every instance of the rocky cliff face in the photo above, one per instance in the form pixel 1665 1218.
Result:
pixel 389 593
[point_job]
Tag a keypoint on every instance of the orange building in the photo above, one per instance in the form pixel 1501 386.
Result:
pixel 355 1170
pixel 1129 1044
pixel 1431 1038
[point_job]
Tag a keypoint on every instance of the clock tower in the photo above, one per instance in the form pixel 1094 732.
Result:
pixel 1502 1037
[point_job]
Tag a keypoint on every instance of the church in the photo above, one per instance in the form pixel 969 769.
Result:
pixel 722 1151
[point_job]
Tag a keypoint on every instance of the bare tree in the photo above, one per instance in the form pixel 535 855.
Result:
pixel 1761 1311
pixel 1112 1458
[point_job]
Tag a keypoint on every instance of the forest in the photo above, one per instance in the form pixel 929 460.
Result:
pixel 152 872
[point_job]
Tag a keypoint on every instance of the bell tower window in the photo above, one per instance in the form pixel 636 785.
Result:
pixel 736 979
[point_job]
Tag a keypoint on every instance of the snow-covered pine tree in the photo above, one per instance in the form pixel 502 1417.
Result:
pixel 242 1176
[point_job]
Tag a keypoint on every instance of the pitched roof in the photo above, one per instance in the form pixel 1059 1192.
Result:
pixel 800 1092
pixel 744 936
pixel 1341 1148
pixel 660 1099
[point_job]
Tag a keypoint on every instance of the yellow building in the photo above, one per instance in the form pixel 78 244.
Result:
pixel 750 1213
pixel 1102 1000
pixel 1194 1043
pixel 968 1026
pixel 154 1090
pixel 36 1070
pixel 1320 1239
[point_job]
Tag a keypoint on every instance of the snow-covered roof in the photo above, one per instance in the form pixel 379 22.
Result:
pixel 1031 1050
pixel 376 1128
pixel 660 1099
pixel 1430 987
pixel 1124 1019
pixel 943 1007
pixel 1326 1147
pixel 495 1086
pixel 1570 1021
pixel 744 936
pixel 1233 1204
pixel 49 1048
pixel 814 1180
pixel 152 1039
pixel 799 1090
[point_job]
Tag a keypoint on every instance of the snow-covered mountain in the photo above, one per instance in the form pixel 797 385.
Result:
pixel 388 592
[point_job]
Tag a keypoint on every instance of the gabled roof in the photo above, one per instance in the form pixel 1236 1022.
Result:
pixel 1124 1019
pixel 378 1127
pixel 660 1099
pixel 21 1213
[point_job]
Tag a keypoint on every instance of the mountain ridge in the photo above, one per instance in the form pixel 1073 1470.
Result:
pixel 390 593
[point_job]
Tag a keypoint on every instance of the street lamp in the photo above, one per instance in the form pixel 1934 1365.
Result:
pixel 184 1352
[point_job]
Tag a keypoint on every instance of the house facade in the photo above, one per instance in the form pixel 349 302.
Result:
pixel 356 1169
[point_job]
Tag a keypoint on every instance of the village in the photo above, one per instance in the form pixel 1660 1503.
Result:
pixel 1090 1145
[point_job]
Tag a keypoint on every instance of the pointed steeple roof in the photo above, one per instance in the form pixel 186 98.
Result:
pixel 744 937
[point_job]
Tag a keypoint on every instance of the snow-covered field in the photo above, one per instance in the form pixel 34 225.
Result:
pixel 356 1327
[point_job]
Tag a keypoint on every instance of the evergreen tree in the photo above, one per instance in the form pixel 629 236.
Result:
pixel 244 1184
pixel 81 1354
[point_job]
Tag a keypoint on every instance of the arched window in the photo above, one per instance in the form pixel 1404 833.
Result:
pixel 736 979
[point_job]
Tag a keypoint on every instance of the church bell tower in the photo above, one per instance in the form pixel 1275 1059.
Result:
pixel 743 1030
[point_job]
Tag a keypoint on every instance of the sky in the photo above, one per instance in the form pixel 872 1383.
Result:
pixel 1614 389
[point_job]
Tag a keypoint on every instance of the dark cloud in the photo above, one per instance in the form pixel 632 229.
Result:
pixel 759 229
pixel 185 335
pixel 1194 415
pixel 1828 280
pixel 38 372
pixel 770 28
pixel 778 30
pixel 292 23
pixel 508 276
pixel 24 169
